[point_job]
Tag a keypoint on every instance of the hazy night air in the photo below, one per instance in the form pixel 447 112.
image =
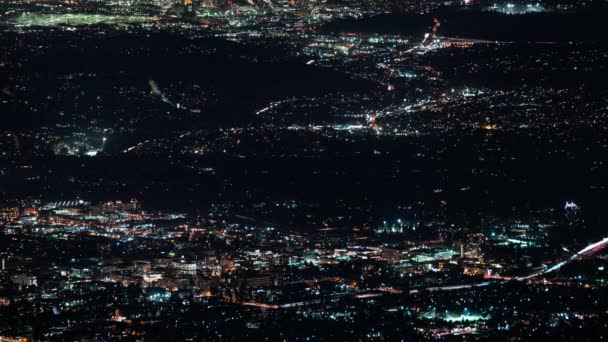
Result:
pixel 303 170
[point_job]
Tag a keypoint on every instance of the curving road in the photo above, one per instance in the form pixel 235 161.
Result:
pixel 590 249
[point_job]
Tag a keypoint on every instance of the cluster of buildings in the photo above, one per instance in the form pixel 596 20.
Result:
pixel 62 257
pixel 293 180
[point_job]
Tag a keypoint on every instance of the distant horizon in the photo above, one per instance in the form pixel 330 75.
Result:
pixel 303 170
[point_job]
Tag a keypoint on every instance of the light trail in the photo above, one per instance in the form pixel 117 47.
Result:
pixel 273 105
pixel 450 287
pixel 590 249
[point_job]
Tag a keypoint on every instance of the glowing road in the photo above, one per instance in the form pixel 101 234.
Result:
pixel 590 249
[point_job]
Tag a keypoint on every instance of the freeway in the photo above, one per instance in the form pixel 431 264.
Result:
pixel 590 249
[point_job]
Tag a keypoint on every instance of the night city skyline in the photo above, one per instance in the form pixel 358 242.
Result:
pixel 303 170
